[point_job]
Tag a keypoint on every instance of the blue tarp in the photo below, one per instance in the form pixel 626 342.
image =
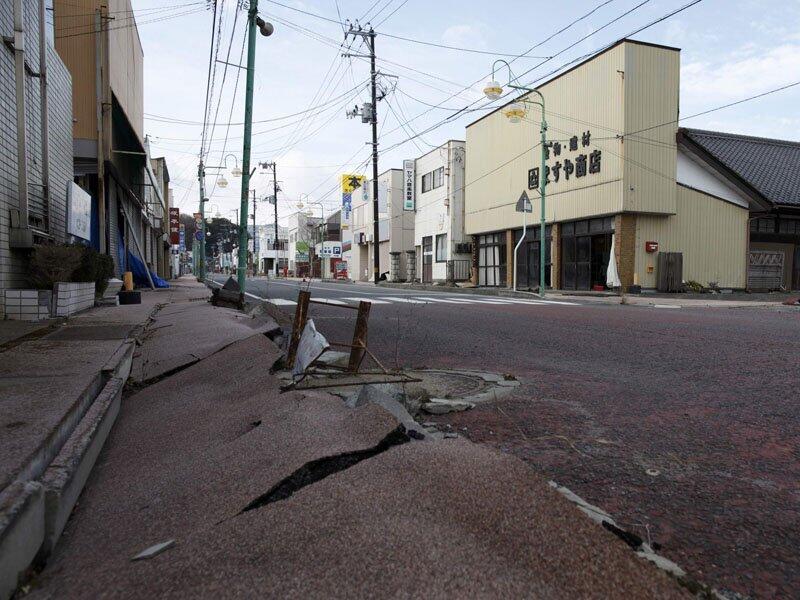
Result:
pixel 140 275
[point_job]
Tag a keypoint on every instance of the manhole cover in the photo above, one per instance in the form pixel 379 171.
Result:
pixel 447 384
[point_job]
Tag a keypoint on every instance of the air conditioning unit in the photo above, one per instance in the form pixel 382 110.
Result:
pixel 370 238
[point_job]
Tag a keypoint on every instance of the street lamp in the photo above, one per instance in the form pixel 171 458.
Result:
pixel 515 112
pixel 253 22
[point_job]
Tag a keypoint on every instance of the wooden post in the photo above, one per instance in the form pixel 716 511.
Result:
pixel 300 315
pixel 359 346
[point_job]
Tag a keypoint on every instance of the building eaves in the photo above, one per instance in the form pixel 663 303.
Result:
pixel 770 167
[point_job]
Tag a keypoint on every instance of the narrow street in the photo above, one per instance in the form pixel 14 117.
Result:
pixel 679 422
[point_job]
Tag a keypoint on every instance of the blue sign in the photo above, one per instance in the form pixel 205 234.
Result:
pixel 347 203
pixel 182 238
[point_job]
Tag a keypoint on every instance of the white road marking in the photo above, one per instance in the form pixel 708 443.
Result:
pixel 496 301
pixel 444 300
pixel 408 300
pixel 328 301
pixel 281 302
pixel 666 306
pixel 365 299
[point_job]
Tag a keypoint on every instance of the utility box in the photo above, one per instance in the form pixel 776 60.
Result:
pixel 670 272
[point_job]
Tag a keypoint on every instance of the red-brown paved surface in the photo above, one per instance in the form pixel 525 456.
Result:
pixel 707 397
pixel 425 519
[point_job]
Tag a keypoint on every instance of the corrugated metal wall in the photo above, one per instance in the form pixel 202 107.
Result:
pixel 711 234
pixel 652 83
pixel 74 22
pixel 588 99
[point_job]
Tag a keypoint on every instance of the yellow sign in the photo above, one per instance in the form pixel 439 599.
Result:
pixel 351 182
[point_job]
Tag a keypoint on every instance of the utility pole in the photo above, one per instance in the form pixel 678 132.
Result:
pixel 274 168
pixel 241 266
pixel 253 21
pixel 255 233
pixel 372 115
pixel 201 263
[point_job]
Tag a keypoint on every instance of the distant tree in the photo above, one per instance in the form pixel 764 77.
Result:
pixel 188 223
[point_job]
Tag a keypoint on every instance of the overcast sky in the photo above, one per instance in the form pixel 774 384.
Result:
pixel 731 49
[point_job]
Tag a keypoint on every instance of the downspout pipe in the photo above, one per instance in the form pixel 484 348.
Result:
pixel 45 126
pixel 22 140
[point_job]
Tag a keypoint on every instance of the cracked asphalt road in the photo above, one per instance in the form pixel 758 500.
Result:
pixel 683 424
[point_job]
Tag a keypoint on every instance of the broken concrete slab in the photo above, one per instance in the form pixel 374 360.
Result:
pixel 441 406
pixel 173 340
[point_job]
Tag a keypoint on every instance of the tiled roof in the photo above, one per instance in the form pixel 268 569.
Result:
pixel 771 167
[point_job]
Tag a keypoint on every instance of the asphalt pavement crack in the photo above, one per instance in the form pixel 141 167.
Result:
pixel 320 468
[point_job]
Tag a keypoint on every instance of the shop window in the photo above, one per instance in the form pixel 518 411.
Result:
pixel 441 247
pixel 492 260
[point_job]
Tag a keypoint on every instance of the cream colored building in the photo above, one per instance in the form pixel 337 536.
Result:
pixel 617 169
pixel 395 225
pixel 442 250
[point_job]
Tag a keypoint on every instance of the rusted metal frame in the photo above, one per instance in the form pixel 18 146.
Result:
pixel 299 323
pixel 359 347
pixel 352 383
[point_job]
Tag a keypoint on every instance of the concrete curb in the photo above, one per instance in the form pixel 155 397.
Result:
pixel 67 474
pixel 21 531
pixel 33 515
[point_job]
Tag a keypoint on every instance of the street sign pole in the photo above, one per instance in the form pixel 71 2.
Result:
pixel 524 206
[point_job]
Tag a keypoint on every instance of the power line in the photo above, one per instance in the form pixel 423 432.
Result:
pixel 133 25
pixel 233 104
pixel 208 82
pixel 172 121
pixel 405 38
pixel 387 17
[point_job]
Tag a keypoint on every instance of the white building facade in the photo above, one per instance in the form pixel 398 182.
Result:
pixel 395 227
pixel 270 259
pixel 442 251
pixel 302 233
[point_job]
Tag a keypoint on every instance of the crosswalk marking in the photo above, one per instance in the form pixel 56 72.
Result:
pixel 330 301
pixel 444 300
pixel 367 299
pixel 406 300
pixel 282 302
pixel 497 301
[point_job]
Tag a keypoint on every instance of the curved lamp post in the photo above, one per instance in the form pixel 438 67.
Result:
pixel 515 112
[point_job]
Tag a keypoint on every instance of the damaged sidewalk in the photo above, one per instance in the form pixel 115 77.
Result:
pixel 222 485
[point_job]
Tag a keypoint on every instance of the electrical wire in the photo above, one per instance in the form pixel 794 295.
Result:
pixel 133 25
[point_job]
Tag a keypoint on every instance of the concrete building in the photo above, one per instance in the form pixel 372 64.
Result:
pixel 619 176
pixel 157 197
pixel 395 227
pixel 442 250
pixel 110 160
pixel 302 236
pixel 271 259
pixel 35 213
